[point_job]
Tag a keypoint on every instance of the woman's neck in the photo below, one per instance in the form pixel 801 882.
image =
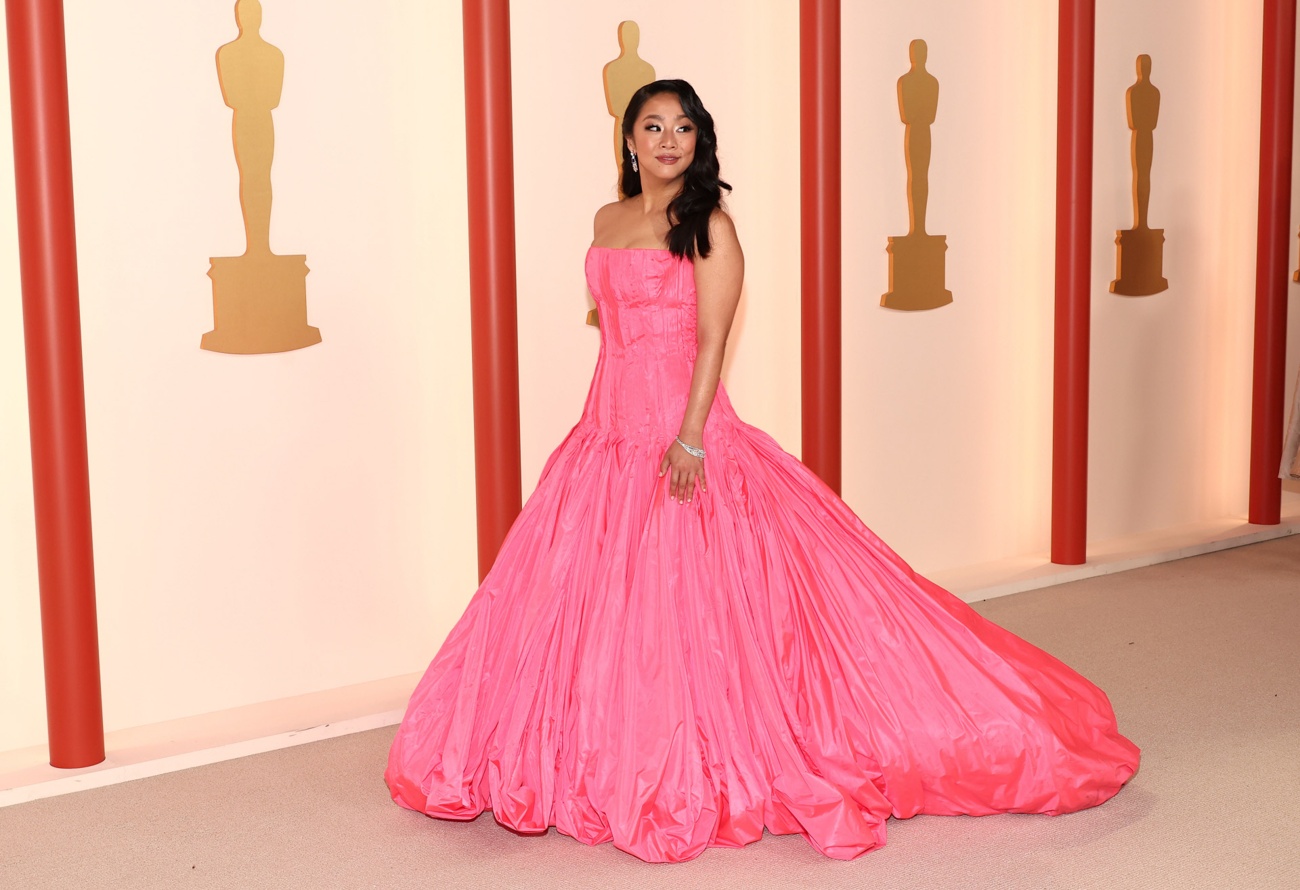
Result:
pixel 655 198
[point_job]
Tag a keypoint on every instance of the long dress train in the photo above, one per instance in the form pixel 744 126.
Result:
pixel 670 677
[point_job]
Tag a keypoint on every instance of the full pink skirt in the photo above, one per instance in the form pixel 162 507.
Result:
pixel 671 677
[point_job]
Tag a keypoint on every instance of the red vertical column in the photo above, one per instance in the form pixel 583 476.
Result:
pixel 1277 98
pixel 819 145
pixel 1074 93
pixel 493 314
pixel 38 84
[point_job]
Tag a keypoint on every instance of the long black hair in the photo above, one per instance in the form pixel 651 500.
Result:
pixel 701 194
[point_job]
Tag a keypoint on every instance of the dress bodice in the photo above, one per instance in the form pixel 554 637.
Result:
pixel 646 299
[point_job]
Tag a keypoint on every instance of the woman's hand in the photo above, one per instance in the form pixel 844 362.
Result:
pixel 684 471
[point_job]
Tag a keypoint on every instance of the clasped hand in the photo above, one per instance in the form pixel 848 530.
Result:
pixel 684 472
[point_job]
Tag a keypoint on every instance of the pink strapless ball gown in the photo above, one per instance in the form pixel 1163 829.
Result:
pixel 672 677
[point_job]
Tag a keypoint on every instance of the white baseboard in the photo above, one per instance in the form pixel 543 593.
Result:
pixel 145 751
pixel 138 753
pixel 1016 575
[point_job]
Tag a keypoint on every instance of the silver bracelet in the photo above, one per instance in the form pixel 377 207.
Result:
pixel 691 449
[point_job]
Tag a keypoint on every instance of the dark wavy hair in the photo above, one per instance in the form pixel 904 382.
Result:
pixel 701 194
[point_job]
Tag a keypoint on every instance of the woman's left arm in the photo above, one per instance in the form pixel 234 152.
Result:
pixel 717 286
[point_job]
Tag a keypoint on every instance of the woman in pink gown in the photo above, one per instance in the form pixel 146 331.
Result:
pixel 687 637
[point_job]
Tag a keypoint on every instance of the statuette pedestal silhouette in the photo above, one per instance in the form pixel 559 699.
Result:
pixel 916 260
pixel 1139 262
pixel 917 273
pixel 259 299
pixel 259 304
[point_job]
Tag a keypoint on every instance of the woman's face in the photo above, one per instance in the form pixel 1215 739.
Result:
pixel 663 138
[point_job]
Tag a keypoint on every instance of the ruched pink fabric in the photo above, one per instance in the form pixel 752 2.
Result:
pixel 671 677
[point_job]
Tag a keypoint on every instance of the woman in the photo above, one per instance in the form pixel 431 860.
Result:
pixel 686 637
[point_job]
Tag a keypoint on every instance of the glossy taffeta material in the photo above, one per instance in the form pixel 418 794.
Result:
pixel 671 676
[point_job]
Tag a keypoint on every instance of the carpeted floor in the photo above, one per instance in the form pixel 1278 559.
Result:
pixel 1201 659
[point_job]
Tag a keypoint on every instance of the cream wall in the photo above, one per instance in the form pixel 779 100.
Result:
pixel 947 413
pixel 22 695
pixel 264 525
pixel 1171 373
pixel 1293 290
pixel 273 525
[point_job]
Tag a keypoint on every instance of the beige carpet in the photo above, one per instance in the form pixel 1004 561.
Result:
pixel 1201 658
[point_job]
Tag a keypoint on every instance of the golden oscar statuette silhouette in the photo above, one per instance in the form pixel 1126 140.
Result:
pixel 916 260
pixel 623 76
pixel 1139 260
pixel 259 299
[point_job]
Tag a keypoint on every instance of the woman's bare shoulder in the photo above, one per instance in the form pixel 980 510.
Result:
pixel 721 226
pixel 608 210
pixel 722 234
pixel 612 223
pixel 612 211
